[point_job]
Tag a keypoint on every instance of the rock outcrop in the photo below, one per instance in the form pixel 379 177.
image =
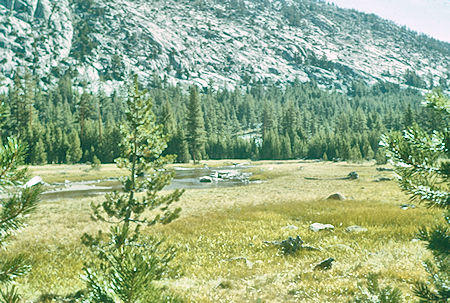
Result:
pixel 227 43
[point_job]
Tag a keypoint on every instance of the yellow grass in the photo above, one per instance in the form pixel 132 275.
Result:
pixel 219 224
pixel 53 173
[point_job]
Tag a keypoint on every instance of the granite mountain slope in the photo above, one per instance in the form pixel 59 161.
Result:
pixel 226 42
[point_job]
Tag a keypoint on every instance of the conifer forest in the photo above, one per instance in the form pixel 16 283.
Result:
pixel 69 124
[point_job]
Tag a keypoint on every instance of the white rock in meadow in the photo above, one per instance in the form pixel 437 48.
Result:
pixel 315 227
pixel 33 181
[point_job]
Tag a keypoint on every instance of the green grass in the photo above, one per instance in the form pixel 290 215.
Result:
pixel 219 224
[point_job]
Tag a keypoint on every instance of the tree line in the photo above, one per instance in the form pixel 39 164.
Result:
pixel 68 123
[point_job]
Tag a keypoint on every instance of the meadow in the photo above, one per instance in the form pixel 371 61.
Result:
pixel 220 236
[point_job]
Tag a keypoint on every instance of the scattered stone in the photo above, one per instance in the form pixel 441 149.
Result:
pixel 336 196
pixel 407 206
pixel 34 181
pixel 355 229
pixel 315 227
pixel 290 227
pixel 383 179
pixel 325 264
pixel 206 179
pixel 384 169
pixel 353 176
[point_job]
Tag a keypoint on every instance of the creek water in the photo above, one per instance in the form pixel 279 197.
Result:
pixel 185 178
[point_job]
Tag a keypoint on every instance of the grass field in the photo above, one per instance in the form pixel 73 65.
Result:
pixel 220 224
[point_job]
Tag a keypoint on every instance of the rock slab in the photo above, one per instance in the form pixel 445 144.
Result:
pixel 355 229
pixel 316 227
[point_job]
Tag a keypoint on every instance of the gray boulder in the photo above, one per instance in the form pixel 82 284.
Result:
pixel 336 196
pixel 353 176
pixel 206 179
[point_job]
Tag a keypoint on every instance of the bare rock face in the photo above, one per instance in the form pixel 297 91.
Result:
pixel 211 40
pixel 34 33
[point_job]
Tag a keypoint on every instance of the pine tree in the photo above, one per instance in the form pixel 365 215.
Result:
pixel 16 204
pixel 28 100
pixel 169 128
pixel 74 151
pixel 286 149
pixel 195 125
pixel 39 154
pixel 128 262
pixel 85 110
pixel 408 118
pixel 268 119
pixel 422 161
pixel 179 141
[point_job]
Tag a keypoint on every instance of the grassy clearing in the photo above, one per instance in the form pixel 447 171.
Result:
pixel 220 224
pixel 53 173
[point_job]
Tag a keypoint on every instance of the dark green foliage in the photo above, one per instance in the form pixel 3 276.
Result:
pixel 10 295
pixel 412 79
pixel 127 262
pixel 438 239
pixel 373 293
pixel 17 203
pixel 422 160
pixel 195 132
pixel 263 122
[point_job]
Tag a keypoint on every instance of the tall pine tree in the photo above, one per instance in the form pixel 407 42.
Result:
pixel 129 263
pixel 195 125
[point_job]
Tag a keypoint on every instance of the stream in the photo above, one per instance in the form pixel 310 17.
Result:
pixel 185 178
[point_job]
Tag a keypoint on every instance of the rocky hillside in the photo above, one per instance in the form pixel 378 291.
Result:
pixel 226 42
